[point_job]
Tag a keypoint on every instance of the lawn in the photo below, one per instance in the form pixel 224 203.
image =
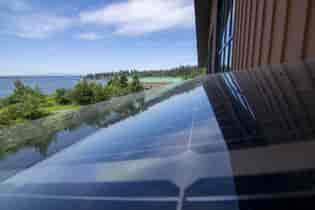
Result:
pixel 52 107
pixel 58 108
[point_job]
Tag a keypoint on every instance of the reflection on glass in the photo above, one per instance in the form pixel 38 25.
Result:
pixel 233 141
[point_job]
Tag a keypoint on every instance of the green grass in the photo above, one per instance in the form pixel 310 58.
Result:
pixel 159 79
pixel 58 108
pixel 52 107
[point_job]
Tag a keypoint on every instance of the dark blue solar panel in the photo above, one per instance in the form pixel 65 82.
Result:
pixel 53 204
pixel 129 189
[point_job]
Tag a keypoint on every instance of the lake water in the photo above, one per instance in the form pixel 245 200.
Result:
pixel 47 84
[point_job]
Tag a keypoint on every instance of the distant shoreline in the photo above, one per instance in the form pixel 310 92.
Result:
pixel 36 76
pixel 47 84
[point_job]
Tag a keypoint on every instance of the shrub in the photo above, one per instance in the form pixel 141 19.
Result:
pixel 21 91
pixel 63 96
pixel 4 117
pixel 9 114
pixel 100 93
pixel 82 93
pixel 114 81
pixel 30 109
pixel 2 103
pixel 23 103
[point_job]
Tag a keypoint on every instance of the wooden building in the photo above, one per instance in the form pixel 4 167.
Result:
pixel 245 34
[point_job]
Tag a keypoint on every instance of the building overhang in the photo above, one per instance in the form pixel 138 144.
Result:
pixel 202 13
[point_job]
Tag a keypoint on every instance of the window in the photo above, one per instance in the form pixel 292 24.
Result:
pixel 225 31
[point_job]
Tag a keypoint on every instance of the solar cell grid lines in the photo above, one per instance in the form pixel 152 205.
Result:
pixel 176 141
pixel 210 146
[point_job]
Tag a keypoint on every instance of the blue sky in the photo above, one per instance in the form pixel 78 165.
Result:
pixel 83 36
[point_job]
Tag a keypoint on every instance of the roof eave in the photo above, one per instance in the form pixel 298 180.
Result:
pixel 202 13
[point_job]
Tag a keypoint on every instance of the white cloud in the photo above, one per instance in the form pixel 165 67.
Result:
pixel 36 26
pixel 136 17
pixel 20 18
pixel 132 17
pixel 89 36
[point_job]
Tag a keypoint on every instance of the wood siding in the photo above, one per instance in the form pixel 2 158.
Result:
pixel 273 32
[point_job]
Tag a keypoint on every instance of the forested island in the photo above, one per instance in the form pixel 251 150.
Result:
pixel 183 72
pixel 27 103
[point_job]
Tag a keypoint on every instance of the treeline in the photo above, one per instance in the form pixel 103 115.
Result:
pixel 184 72
pixel 26 103
pixel 86 92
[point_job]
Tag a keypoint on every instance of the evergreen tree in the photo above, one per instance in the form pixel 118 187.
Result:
pixel 82 93
pixel 123 79
pixel 136 85
pixel 62 96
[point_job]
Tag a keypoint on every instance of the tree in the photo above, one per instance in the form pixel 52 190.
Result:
pixel 82 93
pixel 115 81
pixel 2 103
pixel 21 91
pixel 19 86
pixel 100 93
pixel 30 108
pixel 5 117
pixel 123 80
pixel 136 85
pixel 63 96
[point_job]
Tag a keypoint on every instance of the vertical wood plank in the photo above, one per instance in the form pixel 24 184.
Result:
pixel 252 33
pixel 247 33
pixel 240 41
pixel 279 32
pixel 259 32
pixel 297 20
pixel 236 35
pixel 266 43
pixel 309 43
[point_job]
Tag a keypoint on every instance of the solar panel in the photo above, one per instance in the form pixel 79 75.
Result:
pixel 201 146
